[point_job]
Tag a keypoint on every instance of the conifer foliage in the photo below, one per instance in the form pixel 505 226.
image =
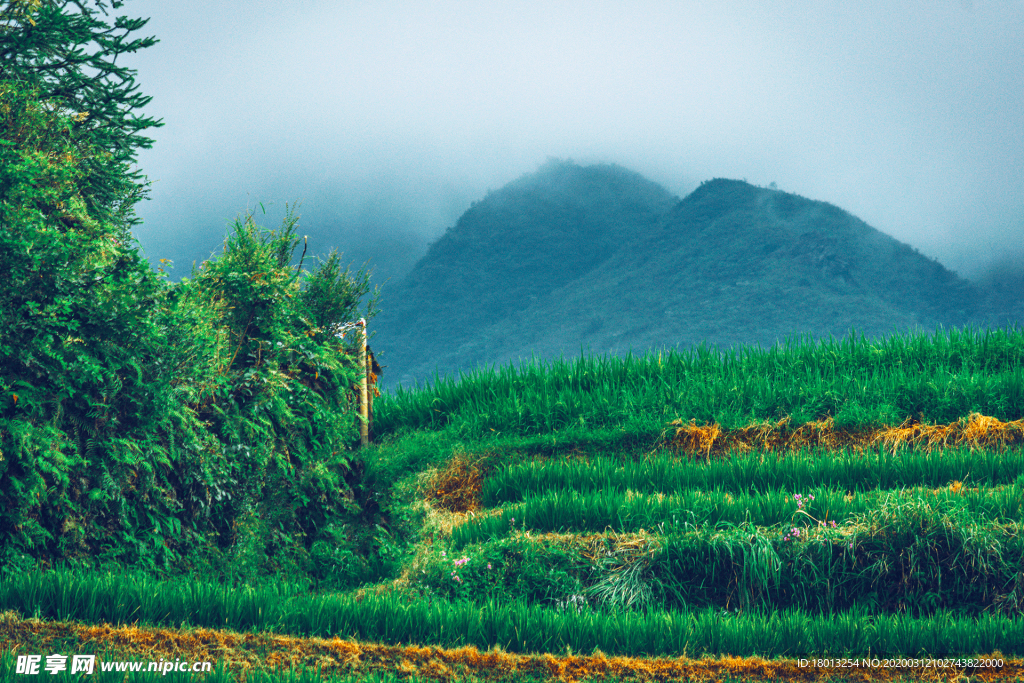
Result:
pixel 143 422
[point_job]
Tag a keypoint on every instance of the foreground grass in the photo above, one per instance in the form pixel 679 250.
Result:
pixel 757 470
pixel 273 658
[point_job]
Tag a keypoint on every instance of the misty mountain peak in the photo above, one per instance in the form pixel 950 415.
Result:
pixel 601 258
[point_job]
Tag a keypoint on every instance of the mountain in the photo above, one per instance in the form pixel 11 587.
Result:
pixel 508 251
pixel 601 260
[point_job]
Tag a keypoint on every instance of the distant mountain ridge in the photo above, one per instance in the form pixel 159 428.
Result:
pixel 601 259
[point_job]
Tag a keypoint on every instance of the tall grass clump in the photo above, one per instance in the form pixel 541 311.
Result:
pixel 901 557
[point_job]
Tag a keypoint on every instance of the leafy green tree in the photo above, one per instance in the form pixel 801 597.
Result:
pixel 79 335
pixel 43 44
pixel 79 340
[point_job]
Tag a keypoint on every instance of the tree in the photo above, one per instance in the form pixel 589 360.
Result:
pixel 80 342
pixel 43 45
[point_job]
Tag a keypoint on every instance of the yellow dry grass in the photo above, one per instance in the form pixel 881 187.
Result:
pixel 246 653
pixel 457 486
pixel 975 431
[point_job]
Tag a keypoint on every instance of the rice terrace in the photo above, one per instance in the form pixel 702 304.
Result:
pixel 842 510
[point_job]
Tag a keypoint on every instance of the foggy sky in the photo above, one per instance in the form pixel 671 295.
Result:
pixel 387 119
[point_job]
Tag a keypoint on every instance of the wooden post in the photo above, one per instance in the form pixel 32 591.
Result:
pixel 364 422
pixel 371 389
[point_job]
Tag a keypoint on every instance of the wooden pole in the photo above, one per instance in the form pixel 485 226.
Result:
pixel 371 389
pixel 364 422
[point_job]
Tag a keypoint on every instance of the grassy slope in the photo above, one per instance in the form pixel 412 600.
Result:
pixel 449 445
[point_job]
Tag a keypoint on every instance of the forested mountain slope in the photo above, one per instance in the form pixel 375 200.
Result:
pixel 599 260
pixel 507 252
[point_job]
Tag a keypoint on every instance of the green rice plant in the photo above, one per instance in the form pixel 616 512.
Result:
pixel 747 472
pixel 946 555
pixel 939 377
pixel 560 511
pixel 904 556
pixel 733 567
pixel 131 598
pixel 520 627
